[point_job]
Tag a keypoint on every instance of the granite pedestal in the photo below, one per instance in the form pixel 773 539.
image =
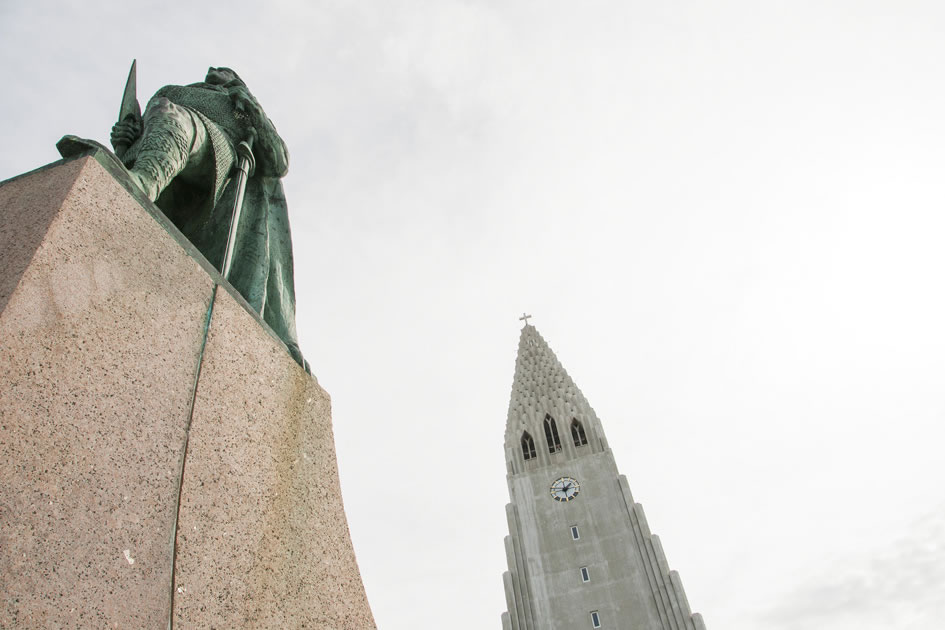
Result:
pixel 158 464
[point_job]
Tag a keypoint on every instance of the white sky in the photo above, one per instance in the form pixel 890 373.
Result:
pixel 726 219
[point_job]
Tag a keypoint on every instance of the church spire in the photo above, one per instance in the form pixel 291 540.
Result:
pixel 579 550
pixel 542 390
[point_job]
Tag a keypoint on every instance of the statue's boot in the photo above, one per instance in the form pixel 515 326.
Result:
pixel 71 146
pixel 160 156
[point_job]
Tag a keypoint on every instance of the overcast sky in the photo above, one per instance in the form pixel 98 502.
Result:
pixel 725 217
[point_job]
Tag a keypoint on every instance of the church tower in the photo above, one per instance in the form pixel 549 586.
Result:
pixel 579 550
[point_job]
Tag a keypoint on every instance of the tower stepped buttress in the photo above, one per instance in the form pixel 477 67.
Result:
pixel 579 549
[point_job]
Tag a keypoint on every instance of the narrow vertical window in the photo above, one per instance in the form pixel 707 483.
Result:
pixel 551 435
pixel 577 433
pixel 585 576
pixel 528 446
pixel 574 532
pixel 595 619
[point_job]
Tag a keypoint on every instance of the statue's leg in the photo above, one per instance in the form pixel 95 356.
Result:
pixel 172 139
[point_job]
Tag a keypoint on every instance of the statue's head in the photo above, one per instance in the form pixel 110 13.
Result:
pixel 223 76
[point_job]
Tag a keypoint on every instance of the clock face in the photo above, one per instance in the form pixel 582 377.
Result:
pixel 565 489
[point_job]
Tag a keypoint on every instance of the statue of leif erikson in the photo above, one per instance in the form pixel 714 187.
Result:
pixel 183 153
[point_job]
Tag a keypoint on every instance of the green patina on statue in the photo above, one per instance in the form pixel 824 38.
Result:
pixel 182 153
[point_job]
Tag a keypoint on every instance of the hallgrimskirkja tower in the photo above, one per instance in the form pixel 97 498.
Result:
pixel 579 551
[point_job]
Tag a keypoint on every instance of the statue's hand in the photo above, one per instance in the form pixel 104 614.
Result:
pixel 125 132
pixel 271 156
pixel 246 106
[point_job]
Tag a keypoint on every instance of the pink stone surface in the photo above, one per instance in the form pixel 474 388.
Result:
pixel 102 318
pixel 98 349
pixel 28 204
pixel 263 539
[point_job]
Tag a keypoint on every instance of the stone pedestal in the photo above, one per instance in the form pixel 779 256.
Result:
pixel 157 463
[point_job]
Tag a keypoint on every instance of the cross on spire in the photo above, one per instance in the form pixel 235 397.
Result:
pixel 524 318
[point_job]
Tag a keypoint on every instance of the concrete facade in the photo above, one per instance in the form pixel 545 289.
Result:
pixel 164 461
pixel 591 559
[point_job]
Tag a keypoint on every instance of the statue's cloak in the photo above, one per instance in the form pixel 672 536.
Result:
pixel 262 269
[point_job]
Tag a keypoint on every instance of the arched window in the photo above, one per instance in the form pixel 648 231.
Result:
pixel 577 433
pixel 551 435
pixel 528 446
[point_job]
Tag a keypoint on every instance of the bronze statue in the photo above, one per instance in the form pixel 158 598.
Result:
pixel 182 153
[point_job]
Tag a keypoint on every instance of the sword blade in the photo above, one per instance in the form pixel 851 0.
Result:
pixel 129 100
pixel 129 103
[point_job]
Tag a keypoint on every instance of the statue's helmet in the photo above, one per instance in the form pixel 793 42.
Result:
pixel 222 75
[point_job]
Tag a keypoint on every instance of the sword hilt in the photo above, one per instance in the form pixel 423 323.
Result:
pixel 122 147
pixel 244 151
